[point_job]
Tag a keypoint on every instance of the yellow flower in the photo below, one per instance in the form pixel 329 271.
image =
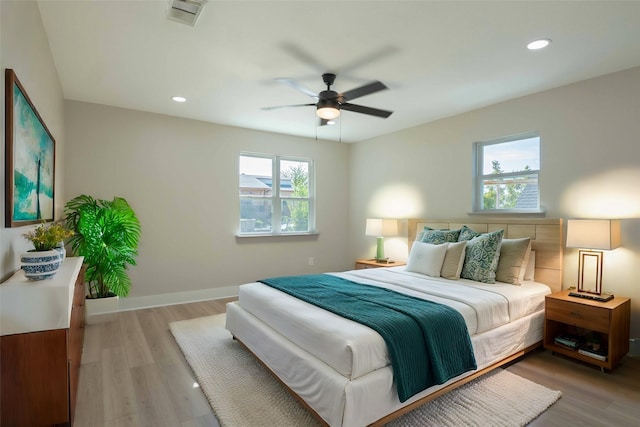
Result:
pixel 46 237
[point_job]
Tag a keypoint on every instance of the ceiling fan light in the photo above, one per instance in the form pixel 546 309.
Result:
pixel 328 112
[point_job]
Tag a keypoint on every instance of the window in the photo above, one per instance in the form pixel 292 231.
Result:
pixel 506 174
pixel 276 195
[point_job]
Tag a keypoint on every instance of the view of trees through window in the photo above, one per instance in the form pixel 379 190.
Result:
pixel 295 210
pixel 263 210
pixel 505 193
pixel 508 174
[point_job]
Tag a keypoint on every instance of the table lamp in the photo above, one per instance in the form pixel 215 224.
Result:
pixel 381 228
pixel 592 236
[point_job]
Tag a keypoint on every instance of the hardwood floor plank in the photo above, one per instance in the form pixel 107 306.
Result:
pixel 159 340
pixel 153 405
pixel 89 407
pixel 92 348
pixel 125 421
pixel 187 399
pixel 208 420
pixel 133 340
pixel 118 394
pixel 110 333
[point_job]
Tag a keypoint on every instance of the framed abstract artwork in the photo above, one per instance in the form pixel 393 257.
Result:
pixel 30 153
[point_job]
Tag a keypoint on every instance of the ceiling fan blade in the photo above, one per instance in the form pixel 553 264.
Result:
pixel 303 56
pixel 297 86
pixel 367 89
pixel 286 106
pixel 366 110
pixel 367 59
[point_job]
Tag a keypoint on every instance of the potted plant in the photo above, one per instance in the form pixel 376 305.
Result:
pixel 43 261
pixel 106 235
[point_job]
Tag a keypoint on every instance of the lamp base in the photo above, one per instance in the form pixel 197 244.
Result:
pixel 380 249
pixel 594 297
pixel 590 271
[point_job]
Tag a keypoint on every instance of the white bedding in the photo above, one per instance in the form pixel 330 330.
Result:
pixel 344 402
pixel 354 350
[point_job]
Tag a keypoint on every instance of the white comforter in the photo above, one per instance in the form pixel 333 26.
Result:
pixel 353 349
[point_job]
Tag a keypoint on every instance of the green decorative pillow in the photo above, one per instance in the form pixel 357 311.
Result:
pixel 467 234
pixel 481 258
pixel 512 264
pixel 437 237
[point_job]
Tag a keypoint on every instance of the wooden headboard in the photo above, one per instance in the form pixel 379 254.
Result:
pixel 546 239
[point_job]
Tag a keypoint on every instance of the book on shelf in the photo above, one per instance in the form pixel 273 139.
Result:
pixel 570 341
pixel 588 350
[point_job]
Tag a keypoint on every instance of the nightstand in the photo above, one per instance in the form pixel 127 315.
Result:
pixel 372 263
pixel 573 316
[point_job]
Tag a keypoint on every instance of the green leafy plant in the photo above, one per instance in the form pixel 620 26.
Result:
pixel 106 235
pixel 45 237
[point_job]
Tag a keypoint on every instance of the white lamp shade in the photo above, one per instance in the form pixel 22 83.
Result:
pixel 381 227
pixel 603 234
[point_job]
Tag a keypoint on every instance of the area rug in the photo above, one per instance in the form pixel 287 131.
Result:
pixel 242 393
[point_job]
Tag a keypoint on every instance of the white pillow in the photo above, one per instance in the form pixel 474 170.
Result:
pixel 453 260
pixel 531 267
pixel 525 264
pixel 426 258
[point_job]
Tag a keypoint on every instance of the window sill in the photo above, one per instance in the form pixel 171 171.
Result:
pixel 278 237
pixel 512 213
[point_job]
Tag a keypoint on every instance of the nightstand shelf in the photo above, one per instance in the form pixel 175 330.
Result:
pixel 372 263
pixel 575 316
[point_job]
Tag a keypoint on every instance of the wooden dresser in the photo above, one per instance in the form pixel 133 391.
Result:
pixel 42 330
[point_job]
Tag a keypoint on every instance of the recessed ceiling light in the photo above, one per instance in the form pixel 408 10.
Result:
pixel 179 98
pixel 538 44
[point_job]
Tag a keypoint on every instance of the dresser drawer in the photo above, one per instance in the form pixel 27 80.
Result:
pixel 584 316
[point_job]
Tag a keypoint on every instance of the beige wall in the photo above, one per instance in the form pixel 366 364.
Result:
pixel 24 48
pixel 181 178
pixel 590 161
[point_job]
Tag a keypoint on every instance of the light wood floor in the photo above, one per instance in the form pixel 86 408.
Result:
pixel 133 374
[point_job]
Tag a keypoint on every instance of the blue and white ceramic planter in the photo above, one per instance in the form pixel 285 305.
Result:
pixel 40 265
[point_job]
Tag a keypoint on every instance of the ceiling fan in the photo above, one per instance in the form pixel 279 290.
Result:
pixel 330 103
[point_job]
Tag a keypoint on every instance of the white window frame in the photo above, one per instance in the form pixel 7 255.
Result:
pixel 478 177
pixel 276 198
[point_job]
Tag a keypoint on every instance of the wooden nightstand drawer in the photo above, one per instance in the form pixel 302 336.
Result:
pixel 593 318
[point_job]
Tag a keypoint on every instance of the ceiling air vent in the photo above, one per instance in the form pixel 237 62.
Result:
pixel 185 11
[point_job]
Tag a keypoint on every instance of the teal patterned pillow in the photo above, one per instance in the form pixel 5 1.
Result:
pixel 467 234
pixel 438 237
pixel 481 258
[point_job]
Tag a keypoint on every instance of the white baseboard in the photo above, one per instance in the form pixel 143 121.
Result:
pixel 137 303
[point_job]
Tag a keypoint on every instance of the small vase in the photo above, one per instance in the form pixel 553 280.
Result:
pixel 40 265
pixel 63 252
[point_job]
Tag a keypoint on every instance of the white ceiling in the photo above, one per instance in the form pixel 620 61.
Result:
pixel 438 58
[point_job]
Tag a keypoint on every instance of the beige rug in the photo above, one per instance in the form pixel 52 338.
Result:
pixel 244 394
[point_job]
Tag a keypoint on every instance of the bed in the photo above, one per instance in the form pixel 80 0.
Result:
pixel 340 370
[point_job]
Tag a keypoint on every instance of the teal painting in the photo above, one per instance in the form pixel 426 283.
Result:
pixel 30 159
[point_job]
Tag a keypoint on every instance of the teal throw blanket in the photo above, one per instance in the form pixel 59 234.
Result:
pixel 428 343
